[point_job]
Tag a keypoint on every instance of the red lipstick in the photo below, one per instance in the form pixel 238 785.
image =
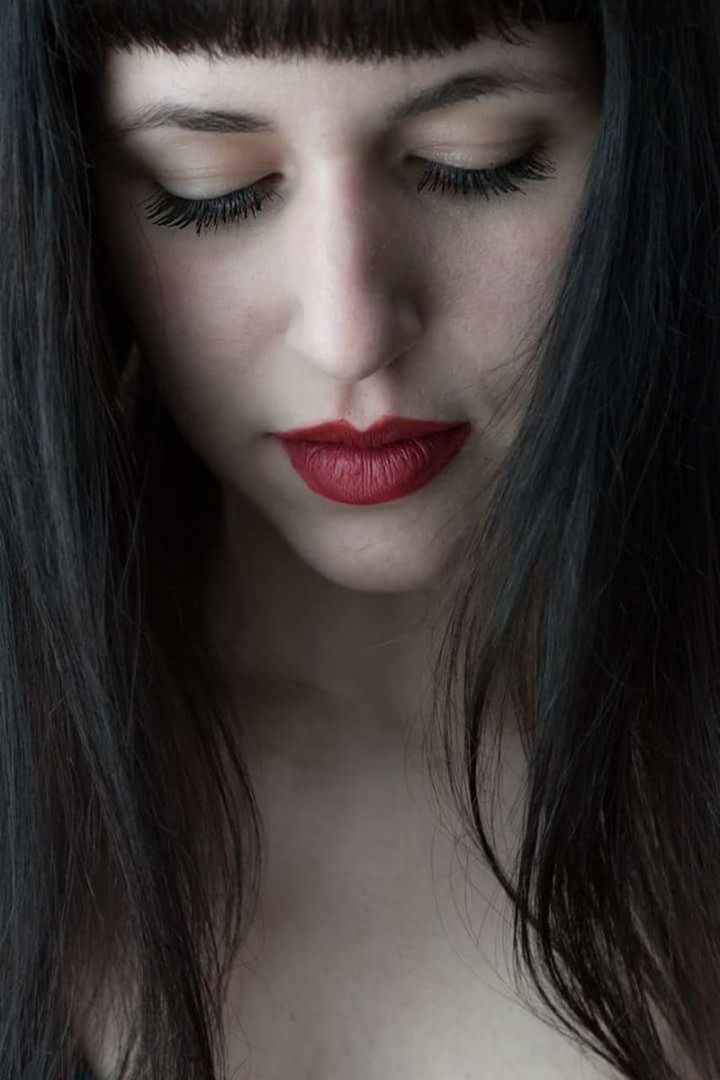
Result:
pixel 393 458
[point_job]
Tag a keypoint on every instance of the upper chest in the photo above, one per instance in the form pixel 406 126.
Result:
pixel 380 948
pixel 363 991
pixel 381 945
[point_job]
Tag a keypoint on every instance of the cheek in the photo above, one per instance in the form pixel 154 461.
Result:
pixel 185 294
pixel 204 341
pixel 179 300
pixel 199 315
pixel 504 276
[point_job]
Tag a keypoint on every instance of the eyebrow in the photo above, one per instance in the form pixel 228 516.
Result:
pixel 467 86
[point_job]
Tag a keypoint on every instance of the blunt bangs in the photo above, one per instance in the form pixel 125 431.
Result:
pixel 347 30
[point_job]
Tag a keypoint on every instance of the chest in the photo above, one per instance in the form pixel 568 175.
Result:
pixel 380 949
pixel 381 945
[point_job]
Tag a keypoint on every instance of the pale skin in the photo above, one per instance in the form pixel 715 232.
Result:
pixel 352 297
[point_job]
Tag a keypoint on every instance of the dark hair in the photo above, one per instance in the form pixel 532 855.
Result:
pixel 587 588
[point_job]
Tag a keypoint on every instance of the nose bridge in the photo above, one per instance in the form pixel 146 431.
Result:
pixel 352 311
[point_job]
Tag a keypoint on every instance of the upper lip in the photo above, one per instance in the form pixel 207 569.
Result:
pixel 386 430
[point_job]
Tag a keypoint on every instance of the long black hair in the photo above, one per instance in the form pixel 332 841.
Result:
pixel 588 589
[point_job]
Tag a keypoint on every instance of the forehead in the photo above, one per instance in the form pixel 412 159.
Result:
pixel 143 85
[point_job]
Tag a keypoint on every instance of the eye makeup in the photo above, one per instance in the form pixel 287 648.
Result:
pixel 443 180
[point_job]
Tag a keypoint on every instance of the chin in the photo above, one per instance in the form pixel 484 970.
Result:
pixel 373 560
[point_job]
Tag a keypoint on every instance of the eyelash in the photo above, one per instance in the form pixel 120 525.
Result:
pixel 171 210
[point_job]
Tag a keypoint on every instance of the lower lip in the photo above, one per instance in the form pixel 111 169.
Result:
pixel 367 477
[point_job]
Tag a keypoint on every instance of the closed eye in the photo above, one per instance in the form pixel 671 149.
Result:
pixel 166 209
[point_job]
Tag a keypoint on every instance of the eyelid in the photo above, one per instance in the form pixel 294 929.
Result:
pixel 504 143
pixel 434 154
pixel 496 142
pixel 270 163
pixel 510 178
pixel 477 156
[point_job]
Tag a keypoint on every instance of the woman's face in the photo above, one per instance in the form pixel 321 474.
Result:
pixel 349 294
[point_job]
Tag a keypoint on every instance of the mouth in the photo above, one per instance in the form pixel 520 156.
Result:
pixel 365 475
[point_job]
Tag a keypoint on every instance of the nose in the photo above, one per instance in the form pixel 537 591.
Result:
pixel 354 302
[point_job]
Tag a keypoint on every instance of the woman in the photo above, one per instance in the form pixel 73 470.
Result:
pixel 236 652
